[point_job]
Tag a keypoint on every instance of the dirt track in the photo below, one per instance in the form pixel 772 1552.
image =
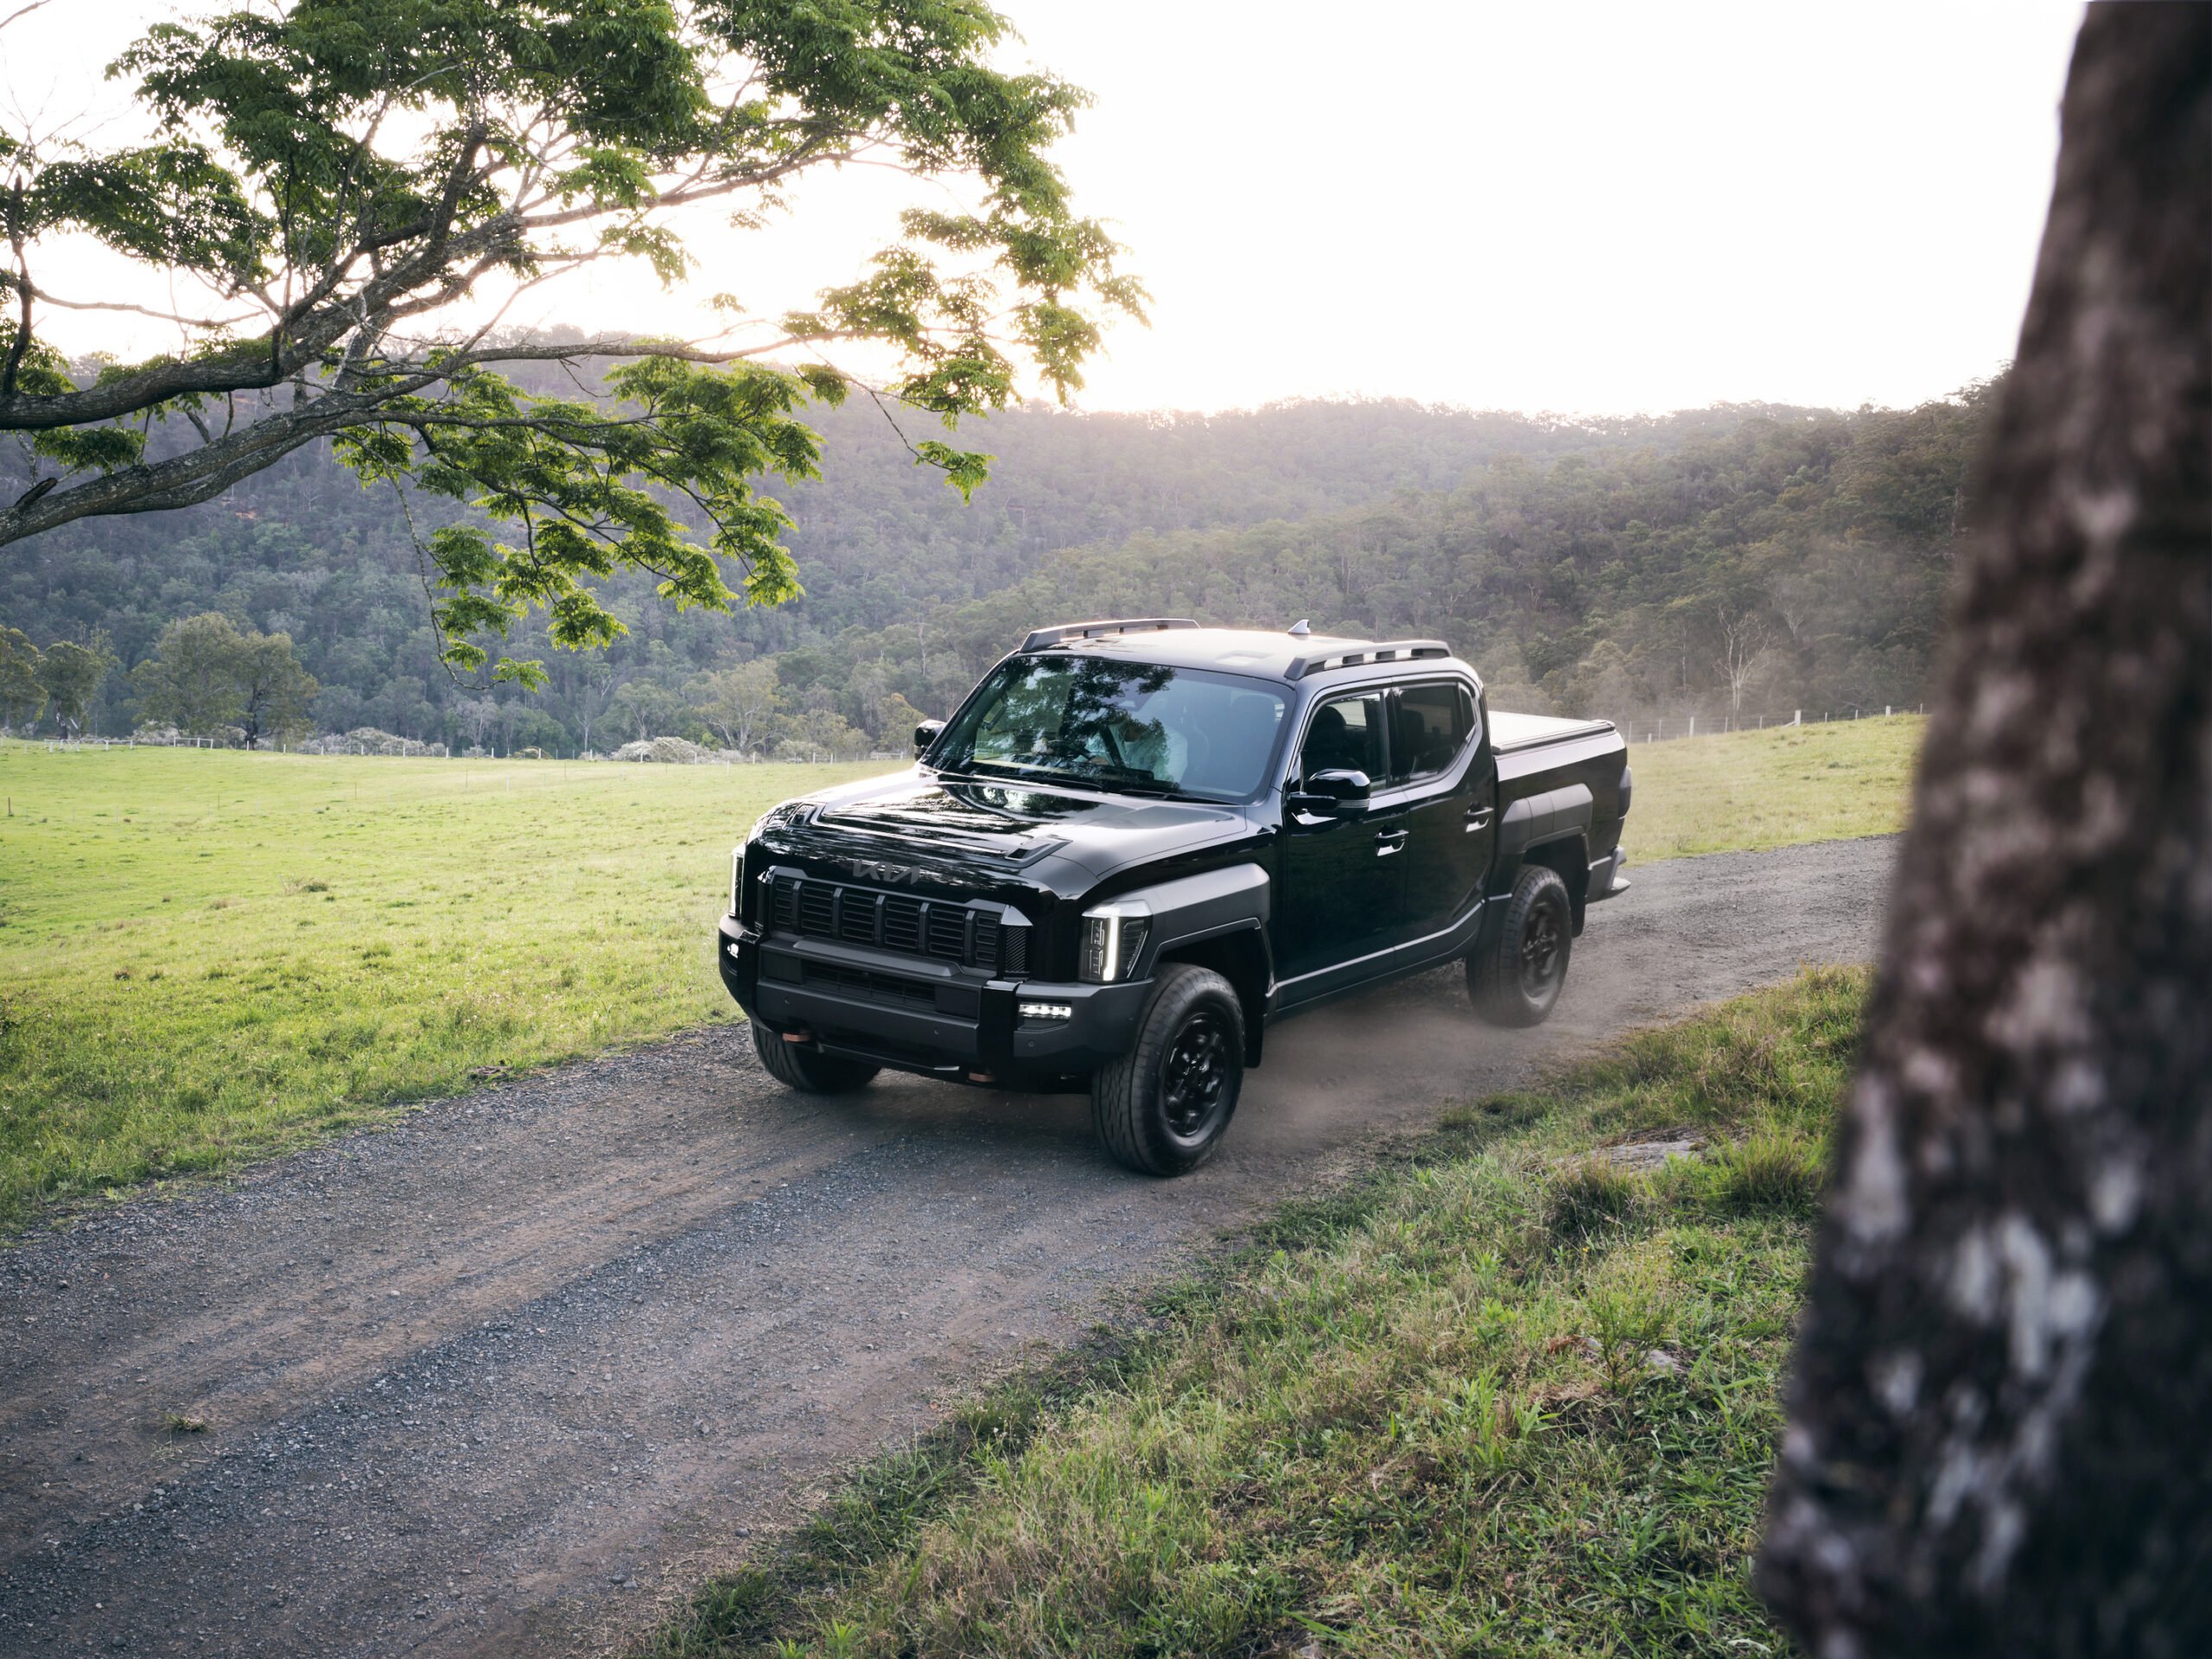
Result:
pixel 490 1381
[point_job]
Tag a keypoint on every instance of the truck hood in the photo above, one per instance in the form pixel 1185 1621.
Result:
pixel 916 829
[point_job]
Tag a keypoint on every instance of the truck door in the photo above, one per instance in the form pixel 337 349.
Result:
pixel 1343 880
pixel 1450 781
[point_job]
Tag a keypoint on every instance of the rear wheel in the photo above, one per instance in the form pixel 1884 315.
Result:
pixel 796 1066
pixel 1163 1107
pixel 1515 975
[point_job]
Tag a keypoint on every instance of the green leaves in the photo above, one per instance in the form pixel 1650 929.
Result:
pixel 342 175
pixel 963 471
pixel 658 477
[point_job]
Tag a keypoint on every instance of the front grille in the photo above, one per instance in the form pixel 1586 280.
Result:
pixel 902 924
pixel 945 929
pixel 897 921
pixel 858 914
pixel 818 908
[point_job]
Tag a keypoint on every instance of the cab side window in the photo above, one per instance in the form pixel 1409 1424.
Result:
pixel 1434 723
pixel 1346 734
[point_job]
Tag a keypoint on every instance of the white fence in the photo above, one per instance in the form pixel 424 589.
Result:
pixel 1681 726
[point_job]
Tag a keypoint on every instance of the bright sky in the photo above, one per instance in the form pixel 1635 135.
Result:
pixel 1595 208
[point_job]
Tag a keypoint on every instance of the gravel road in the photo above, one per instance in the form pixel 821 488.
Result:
pixel 499 1378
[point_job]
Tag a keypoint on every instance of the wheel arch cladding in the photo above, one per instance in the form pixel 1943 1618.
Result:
pixel 1241 957
pixel 1553 830
pixel 1216 919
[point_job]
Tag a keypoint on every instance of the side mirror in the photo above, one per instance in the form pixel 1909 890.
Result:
pixel 925 735
pixel 1340 792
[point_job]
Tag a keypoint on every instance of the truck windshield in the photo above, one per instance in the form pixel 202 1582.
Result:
pixel 1139 728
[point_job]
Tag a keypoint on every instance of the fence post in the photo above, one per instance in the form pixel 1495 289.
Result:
pixel 1692 725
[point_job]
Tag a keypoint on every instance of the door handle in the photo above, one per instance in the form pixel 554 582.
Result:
pixel 1388 841
pixel 1478 818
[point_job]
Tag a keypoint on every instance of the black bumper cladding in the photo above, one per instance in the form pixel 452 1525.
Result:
pixel 929 1017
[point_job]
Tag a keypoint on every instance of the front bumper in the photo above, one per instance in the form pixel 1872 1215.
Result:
pixel 924 1016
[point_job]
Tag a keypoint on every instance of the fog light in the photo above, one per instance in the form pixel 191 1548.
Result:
pixel 1047 1010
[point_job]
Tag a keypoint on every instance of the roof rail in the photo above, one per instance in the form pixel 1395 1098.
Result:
pixel 1039 637
pixel 1389 650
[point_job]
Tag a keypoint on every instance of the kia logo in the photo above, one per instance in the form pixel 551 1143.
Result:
pixel 870 869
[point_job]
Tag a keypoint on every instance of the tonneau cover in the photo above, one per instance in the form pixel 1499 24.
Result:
pixel 1522 731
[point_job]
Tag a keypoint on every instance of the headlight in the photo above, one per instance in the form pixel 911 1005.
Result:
pixel 1113 939
pixel 736 881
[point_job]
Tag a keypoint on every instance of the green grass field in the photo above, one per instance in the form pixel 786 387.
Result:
pixel 1506 1396
pixel 207 956
pixel 1749 791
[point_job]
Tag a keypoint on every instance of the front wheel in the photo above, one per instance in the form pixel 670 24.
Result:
pixel 1163 1107
pixel 1515 975
pixel 797 1067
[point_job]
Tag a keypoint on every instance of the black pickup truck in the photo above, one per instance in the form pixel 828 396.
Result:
pixel 1138 843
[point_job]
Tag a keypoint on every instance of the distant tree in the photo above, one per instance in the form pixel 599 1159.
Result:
pixel 191 680
pixel 71 676
pixel 523 725
pixel 207 675
pixel 337 178
pixel 21 695
pixel 734 702
pixel 277 694
pixel 644 709
pixel 594 689
pixel 477 715
pixel 1742 651
pixel 1997 1442
pixel 821 734
pixel 895 719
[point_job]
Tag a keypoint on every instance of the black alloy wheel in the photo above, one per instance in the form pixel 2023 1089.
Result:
pixel 1543 952
pixel 1162 1108
pixel 1518 966
pixel 1193 1074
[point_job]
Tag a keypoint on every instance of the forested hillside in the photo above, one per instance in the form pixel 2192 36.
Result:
pixel 1755 557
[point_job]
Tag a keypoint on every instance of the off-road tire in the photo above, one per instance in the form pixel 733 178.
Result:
pixel 1515 973
pixel 796 1066
pixel 1162 1108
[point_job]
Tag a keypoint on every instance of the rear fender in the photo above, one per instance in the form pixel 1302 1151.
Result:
pixel 1553 830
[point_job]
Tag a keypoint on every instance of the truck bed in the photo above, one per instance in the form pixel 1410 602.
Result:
pixel 1532 743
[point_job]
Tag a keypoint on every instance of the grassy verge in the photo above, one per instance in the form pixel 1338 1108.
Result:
pixel 1747 792
pixel 1505 1397
pixel 207 956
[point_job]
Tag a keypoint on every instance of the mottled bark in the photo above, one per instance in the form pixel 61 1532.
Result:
pixel 2000 1420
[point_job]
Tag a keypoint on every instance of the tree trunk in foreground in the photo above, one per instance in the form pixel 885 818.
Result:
pixel 2000 1422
